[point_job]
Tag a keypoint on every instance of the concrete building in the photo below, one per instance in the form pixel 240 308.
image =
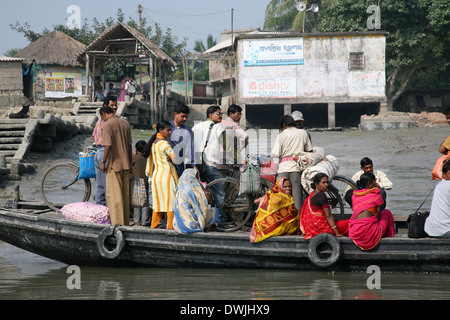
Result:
pixel 329 77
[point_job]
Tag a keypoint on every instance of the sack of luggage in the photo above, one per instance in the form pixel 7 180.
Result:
pixel 139 196
pixel 250 179
pixel 416 224
pixel 86 212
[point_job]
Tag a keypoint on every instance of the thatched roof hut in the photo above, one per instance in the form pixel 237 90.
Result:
pixel 117 40
pixel 54 48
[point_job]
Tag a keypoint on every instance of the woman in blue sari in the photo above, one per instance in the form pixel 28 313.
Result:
pixel 192 210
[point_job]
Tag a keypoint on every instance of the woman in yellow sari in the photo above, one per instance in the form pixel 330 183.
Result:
pixel 276 214
pixel 162 171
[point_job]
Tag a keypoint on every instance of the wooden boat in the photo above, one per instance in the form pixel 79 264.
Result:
pixel 49 234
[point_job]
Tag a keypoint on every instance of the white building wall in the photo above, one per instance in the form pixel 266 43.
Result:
pixel 323 77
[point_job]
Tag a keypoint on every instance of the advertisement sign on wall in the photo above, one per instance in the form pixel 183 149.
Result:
pixel 60 85
pixel 273 52
pixel 269 88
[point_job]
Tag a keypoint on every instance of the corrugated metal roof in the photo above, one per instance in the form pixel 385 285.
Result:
pixel 10 59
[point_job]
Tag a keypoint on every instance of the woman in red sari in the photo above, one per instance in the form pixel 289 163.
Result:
pixel 316 216
pixel 276 215
pixel 369 223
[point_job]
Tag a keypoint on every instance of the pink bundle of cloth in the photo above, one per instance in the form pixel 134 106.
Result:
pixel 86 212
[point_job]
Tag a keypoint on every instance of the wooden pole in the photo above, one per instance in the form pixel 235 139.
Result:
pixel 87 75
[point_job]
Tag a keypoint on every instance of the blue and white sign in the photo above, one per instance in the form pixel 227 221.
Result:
pixel 273 52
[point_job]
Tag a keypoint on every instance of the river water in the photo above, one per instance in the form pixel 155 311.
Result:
pixel 406 156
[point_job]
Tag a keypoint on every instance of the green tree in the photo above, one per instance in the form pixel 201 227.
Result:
pixel 12 52
pixel 201 67
pixel 418 42
pixel 165 40
pixel 282 15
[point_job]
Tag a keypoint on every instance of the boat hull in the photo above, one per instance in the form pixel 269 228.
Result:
pixel 79 243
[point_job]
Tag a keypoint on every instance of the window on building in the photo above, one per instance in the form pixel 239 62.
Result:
pixel 356 61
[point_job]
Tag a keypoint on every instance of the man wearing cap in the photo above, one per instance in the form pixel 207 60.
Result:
pixel 298 118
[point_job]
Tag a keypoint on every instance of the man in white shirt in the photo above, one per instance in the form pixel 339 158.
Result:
pixel 208 139
pixel 288 146
pixel 438 222
pixel 130 87
pixel 382 180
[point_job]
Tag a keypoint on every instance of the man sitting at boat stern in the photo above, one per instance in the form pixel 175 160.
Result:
pixel 382 182
pixel 438 222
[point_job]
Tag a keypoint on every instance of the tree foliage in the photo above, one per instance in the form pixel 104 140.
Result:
pixel 88 32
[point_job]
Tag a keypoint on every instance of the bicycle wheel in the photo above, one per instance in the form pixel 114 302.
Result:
pixel 60 186
pixel 238 208
pixel 342 185
pixel 336 203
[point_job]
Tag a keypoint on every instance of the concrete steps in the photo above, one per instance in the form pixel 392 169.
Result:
pixel 12 132
pixel 86 108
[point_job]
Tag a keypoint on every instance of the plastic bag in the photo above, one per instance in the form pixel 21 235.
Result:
pixel 87 165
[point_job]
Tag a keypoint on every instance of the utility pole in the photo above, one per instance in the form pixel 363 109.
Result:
pixel 140 16
pixel 231 62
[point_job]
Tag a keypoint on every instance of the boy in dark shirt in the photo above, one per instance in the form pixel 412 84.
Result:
pixel 142 214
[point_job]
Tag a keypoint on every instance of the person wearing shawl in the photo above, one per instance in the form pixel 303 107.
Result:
pixel 368 223
pixel 162 171
pixel 193 213
pixel 276 214
pixel 316 216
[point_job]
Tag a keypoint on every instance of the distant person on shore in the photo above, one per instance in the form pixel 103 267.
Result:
pixel 382 182
pixel 117 140
pixel 369 223
pixel 130 87
pixel 108 91
pixel 438 222
pixel 445 145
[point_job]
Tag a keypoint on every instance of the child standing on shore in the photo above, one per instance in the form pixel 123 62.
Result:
pixel 141 214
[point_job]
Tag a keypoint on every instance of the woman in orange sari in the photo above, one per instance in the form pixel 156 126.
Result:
pixel 369 223
pixel 276 214
pixel 316 216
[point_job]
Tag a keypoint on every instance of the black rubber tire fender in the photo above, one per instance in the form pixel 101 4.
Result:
pixel 120 242
pixel 318 240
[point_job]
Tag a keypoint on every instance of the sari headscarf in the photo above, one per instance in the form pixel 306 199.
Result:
pixel 367 232
pixel 276 215
pixel 192 213
pixel 366 199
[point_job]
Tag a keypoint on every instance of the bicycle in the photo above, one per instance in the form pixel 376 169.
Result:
pixel 240 208
pixel 342 184
pixel 237 207
pixel 60 186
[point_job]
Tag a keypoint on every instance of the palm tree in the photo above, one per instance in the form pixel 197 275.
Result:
pixel 202 66
pixel 282 15
pixel 210 42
